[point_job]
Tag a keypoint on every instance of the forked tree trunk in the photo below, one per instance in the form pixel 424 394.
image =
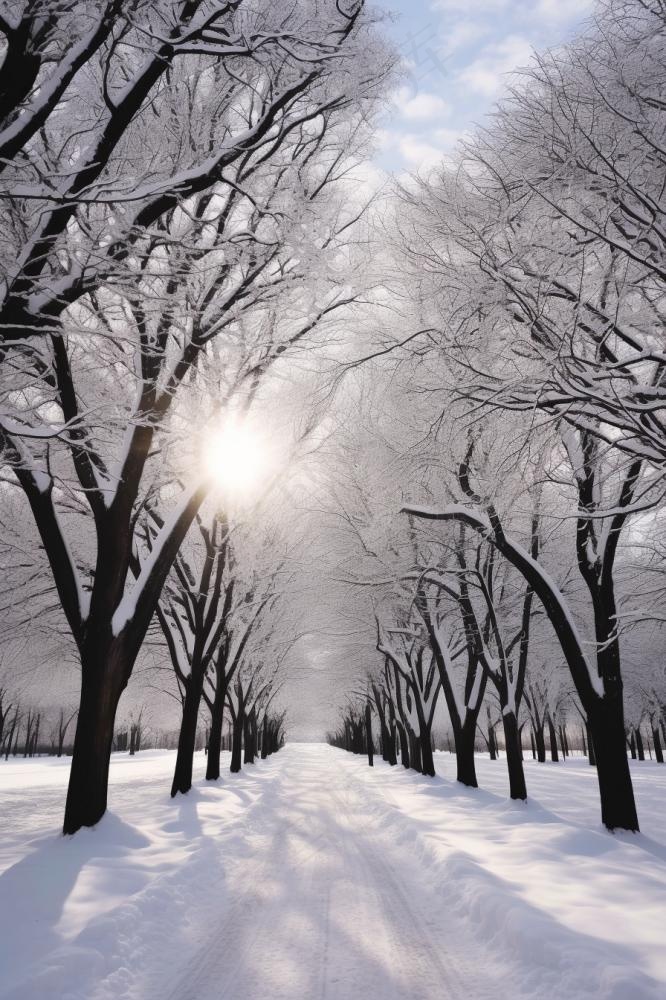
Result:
pixel 514 756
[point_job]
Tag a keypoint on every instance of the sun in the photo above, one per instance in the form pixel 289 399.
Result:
pixel 236 458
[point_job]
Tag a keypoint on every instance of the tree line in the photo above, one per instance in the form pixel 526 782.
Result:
pixel 522 424
pixel 177 227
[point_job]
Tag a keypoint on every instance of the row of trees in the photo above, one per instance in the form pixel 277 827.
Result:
pixel 367 726
pixel 527 439
pixel 177 230
pixel 28 730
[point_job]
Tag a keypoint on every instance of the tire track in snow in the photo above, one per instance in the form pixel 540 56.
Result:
pixel 320 905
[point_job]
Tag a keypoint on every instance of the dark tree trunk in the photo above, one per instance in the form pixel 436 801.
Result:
pixel 492 744
pixel 552 739
pixel 658 749
pixel 250 738
pixel 237 740
pixel 465 765
pixel 182 775
pixel 533 744
pixel 514 757
pixel 368 735
pixel 618 807
pixel 415 752
pixel 389 746
pixel 89 773
pixel 540 741
pixel 591 755
pixel 215 739
pixel 640 749
pixel 264 739
pixel 427 761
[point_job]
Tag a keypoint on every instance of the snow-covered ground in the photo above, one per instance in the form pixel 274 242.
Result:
pixel 312 876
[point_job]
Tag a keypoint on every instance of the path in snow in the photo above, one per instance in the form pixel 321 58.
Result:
pixel 313 876
pixel 329 910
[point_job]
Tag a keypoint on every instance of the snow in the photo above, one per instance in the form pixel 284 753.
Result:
pixel 312 875
pixel 127 606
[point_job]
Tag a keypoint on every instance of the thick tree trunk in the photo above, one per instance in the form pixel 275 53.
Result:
pixel 182 775
pixel 415 761
pixel 388 746
pixel 427 761
pixel 101 686
pixel 618 807
pixel 215 739
pixel 514 757
pixel 658 749
pixel 236 742
pixel 465 766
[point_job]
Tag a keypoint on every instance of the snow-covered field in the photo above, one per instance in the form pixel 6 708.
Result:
pixel 311 876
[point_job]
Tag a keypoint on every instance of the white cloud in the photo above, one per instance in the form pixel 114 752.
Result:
pixel 561 10
pixel 425 150
pixel 421 106
pixel 448 138
pixel 463 6
pixel 417 151
pixel 486 74
pixel 460 34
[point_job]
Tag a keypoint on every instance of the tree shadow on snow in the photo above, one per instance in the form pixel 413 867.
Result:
pixel 37 887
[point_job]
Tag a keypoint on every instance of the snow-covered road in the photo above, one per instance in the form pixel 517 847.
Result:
pixel 312 876
pixel 328 908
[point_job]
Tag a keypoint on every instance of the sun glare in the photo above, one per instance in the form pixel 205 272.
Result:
pixel 236 458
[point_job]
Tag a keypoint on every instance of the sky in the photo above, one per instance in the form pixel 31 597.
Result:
pixel 458 55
